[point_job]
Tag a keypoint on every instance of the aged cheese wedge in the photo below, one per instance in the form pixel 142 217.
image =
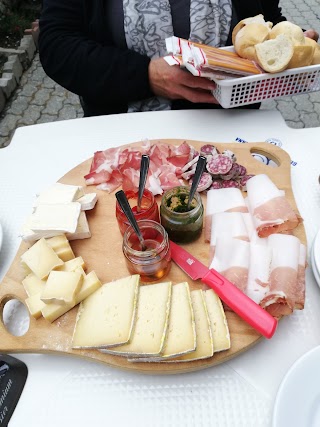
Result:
pixel 204 347
pixel 62 218
pixel 151 325
pixel 32 284
pixel 41 259
pixel 218 321
pixel 60 244
pixel 59 193
pixel 82 230
pixel 72 264
pixel 181 334
pixel 62 287
pixel 88 201
pixel 35 305
pixel 90 284
pixel 106 318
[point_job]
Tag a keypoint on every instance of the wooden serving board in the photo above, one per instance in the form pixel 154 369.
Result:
pixel 103 253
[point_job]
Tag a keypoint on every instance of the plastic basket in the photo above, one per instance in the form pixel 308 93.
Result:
pixel 232 93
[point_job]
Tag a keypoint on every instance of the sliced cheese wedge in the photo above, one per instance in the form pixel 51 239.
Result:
pixel 62 287
pixel 181 335
pixel 60 244
pixel 82 230
pixel 88 201
pixel 41 259
pixel 106 318
pixel 62 218
pixel 204 347
pixel 32 284
pixel 90 284
pixel 151 324
pixel 218 321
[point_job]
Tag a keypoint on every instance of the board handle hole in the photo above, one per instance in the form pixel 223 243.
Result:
pixel 265 158
pixel 14 316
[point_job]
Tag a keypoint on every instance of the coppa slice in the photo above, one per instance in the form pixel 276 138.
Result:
pixel 106 318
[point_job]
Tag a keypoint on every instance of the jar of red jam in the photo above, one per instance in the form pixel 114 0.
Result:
pixel 149 209
pixel 154 262
pixel 182 224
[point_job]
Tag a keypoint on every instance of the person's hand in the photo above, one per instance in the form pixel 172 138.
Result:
pixel 174 83
pixel 311 34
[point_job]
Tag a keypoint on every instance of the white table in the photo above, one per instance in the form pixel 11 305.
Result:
pixel 68 391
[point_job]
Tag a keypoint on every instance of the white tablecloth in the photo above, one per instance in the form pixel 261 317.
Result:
pixel 68 391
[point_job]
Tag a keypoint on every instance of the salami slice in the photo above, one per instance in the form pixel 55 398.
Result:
pixel 216 184
pixel 243 170
pixel 230 184
pixel 219 165
pixel 209 150
pixel 243 182
pixel 233 172
pixel 230 154
pixel 204 183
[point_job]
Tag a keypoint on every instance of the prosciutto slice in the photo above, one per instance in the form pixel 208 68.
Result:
pixel 259 272
pixel 222 200
pixel 269 207
pixel 281 297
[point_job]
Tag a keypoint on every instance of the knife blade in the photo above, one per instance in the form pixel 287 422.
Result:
pixel 245 307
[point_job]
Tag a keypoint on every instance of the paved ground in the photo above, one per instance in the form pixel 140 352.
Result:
pixel 39 100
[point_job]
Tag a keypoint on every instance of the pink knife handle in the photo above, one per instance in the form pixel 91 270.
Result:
pixel 245 307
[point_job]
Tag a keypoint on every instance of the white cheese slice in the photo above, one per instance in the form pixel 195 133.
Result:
pixel 56 217
pixel 218 321
pixel 151 325
pixel 204 347
pixel 59 193
pixel 181 334
pixel 32 284
pixel 28 235
pixel 62 287
pixel 90 284
pixel 106 318
pixel 82 230
pixel 88 201
pixel 41 259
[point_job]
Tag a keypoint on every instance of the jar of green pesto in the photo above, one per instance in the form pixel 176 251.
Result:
pixel 183 225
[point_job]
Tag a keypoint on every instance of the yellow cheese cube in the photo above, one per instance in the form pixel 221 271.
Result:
pixel 32 284
pixel 35 305
pixel 41 259
pixel 72 264
pixel 61 287
pixel 60 244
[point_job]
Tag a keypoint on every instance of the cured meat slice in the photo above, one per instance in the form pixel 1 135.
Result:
pixel 230 154
pixel 230 184
pixel 216 184
pixel 269 208
pixel 204 183
pixel 233 172
pixel 259 272
pixel 231 259
pixel 244 180
pixel 209 150
pixel 222 200
pixel 227 225
pixel 280 300
pixel 219 165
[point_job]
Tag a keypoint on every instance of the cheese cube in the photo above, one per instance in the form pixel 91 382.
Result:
pixel 82 231
pixel 90 284
pixel 41 259
pixel 35 305
pixel 218 321
pixel 107 316
pixel 58 217
pixel 61 287
pixel 60 244
pixel 72 264
pixel 151 324
pixel 88 201
pixel 32 284
pixel 59 193
pixel 204 347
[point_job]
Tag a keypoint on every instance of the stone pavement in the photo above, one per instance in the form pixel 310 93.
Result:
pixel 38 99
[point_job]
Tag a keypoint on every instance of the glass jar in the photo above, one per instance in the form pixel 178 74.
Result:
pixel 153 263
pixel 149 209
pixel 182 225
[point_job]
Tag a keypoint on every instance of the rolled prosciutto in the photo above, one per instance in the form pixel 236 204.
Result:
pixel 259 272
pixel 270 210
pixel 222 200
pixel 280 300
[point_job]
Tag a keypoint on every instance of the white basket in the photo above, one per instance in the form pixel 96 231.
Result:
pixel 232 93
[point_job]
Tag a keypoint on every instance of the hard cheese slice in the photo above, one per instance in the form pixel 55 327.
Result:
pixel 218 321
pixel 106 318
pixel 151 324
pixel 204 347
pixel 62 287
pixel 181 334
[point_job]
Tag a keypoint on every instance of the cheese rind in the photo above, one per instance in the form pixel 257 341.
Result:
pixel 62 287
pixel 41 259
pixel 106 317
pixel 151 324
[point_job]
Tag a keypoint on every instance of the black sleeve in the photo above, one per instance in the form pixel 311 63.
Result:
pixel 272 11
pixel 84 62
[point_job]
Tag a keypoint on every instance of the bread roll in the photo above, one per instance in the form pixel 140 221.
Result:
pixel 291 30
pixel 274 55
pixel 248 37
pixel 258 19
pixel 316 52
pixel 302 56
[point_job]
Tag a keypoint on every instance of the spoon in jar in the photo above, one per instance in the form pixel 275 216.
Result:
pixel 124 204
pixel 201 164
pixel 144 168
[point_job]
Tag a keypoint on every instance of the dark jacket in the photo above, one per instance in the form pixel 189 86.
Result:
pixel 77 51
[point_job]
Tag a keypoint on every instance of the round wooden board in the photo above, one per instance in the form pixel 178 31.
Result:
pixel 103 253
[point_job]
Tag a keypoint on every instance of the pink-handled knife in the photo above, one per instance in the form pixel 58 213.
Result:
pixel 245 307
